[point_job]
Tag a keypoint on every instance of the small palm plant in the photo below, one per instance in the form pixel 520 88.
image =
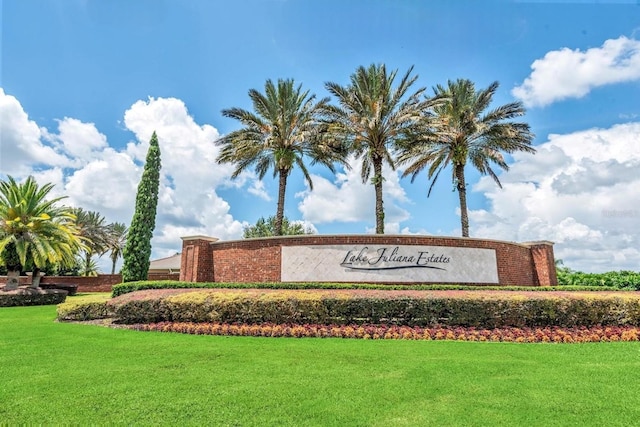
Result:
pixel 117 241
pixel 95 233
pixel 33 229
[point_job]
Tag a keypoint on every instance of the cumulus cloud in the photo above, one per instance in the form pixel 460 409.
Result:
pixel 78 159
pixel 580 190
pixel 568 73
pixel 21 148
pixel 188 203
pixel 79 141
pixel 348 199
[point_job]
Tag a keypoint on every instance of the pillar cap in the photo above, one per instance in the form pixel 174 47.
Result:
pixel 538 242
pixel 206 238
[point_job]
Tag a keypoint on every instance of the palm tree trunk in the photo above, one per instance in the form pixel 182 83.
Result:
pixel 282 186
pixel 113 265
pixel 377 184
pixel 13 279
pixel 87 262
pixel 35 277
pixel 462 194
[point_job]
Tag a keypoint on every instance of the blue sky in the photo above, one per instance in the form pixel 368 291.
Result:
pixel 84 83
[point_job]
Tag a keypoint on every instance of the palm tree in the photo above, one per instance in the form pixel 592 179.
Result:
pixel 371 117
pixel 95 233
pixel 282 130
pixel 463 132
pixel 88 267
pixel 34 230
pixel 117 241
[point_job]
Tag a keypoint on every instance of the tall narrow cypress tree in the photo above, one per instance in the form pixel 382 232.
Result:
pixel 137 251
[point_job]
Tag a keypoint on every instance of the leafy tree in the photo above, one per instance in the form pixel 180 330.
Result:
pixel 371 117
pixel 137 250
pixel 33 230
pixel 283 129
pixel 463 132
pixel 117 240
pixel 267 228
pixel 94 231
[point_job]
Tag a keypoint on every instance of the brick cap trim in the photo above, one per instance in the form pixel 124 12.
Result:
pixel 384 236
pixel 207 238
pixel 538 243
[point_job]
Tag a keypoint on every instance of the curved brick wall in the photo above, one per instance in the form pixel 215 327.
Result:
pixel 259 260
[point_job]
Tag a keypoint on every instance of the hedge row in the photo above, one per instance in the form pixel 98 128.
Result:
pixel 124 288
pixel 84 308
pixel 629 280
pixel 468 309
pixel 28 296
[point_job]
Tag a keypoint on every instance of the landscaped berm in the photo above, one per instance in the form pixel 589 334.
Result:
pixel 393 350
pixel 372 286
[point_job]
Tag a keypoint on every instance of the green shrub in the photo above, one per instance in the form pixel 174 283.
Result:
pixel 124 288
pixel 475 309
pixel 25 297
pixel 613 279
pixel 85 308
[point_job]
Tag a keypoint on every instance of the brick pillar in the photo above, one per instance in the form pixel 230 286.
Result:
pixel 544 264
pixel 196 264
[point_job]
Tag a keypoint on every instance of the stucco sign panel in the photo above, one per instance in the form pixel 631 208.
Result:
pixel 388 263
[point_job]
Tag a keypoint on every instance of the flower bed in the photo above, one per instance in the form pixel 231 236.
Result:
pixel 519 335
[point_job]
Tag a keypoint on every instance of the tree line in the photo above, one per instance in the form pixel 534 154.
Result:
pixel 38 234
pixel 378 121
pixel 373 118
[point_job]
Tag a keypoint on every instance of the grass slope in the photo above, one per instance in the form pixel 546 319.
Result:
pixel 56 373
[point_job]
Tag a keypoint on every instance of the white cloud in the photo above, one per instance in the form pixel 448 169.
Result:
pixel 79 141
pixel 580 190
pixel 257 188
pixel 348 199
pixel 567 73
pixel 20 146
pixel 79 161
pixel 107 184
pixel 188 202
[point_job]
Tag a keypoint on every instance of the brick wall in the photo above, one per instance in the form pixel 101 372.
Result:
pixel 544 262
pixel 100 283
pixel 259 260
pixel 196 264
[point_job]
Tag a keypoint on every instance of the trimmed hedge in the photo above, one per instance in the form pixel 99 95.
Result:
pixel 86 307
pixel 30 296
pixel 468 309
pixel 124 288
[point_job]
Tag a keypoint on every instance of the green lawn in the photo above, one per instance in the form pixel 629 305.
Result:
pixel 53 373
